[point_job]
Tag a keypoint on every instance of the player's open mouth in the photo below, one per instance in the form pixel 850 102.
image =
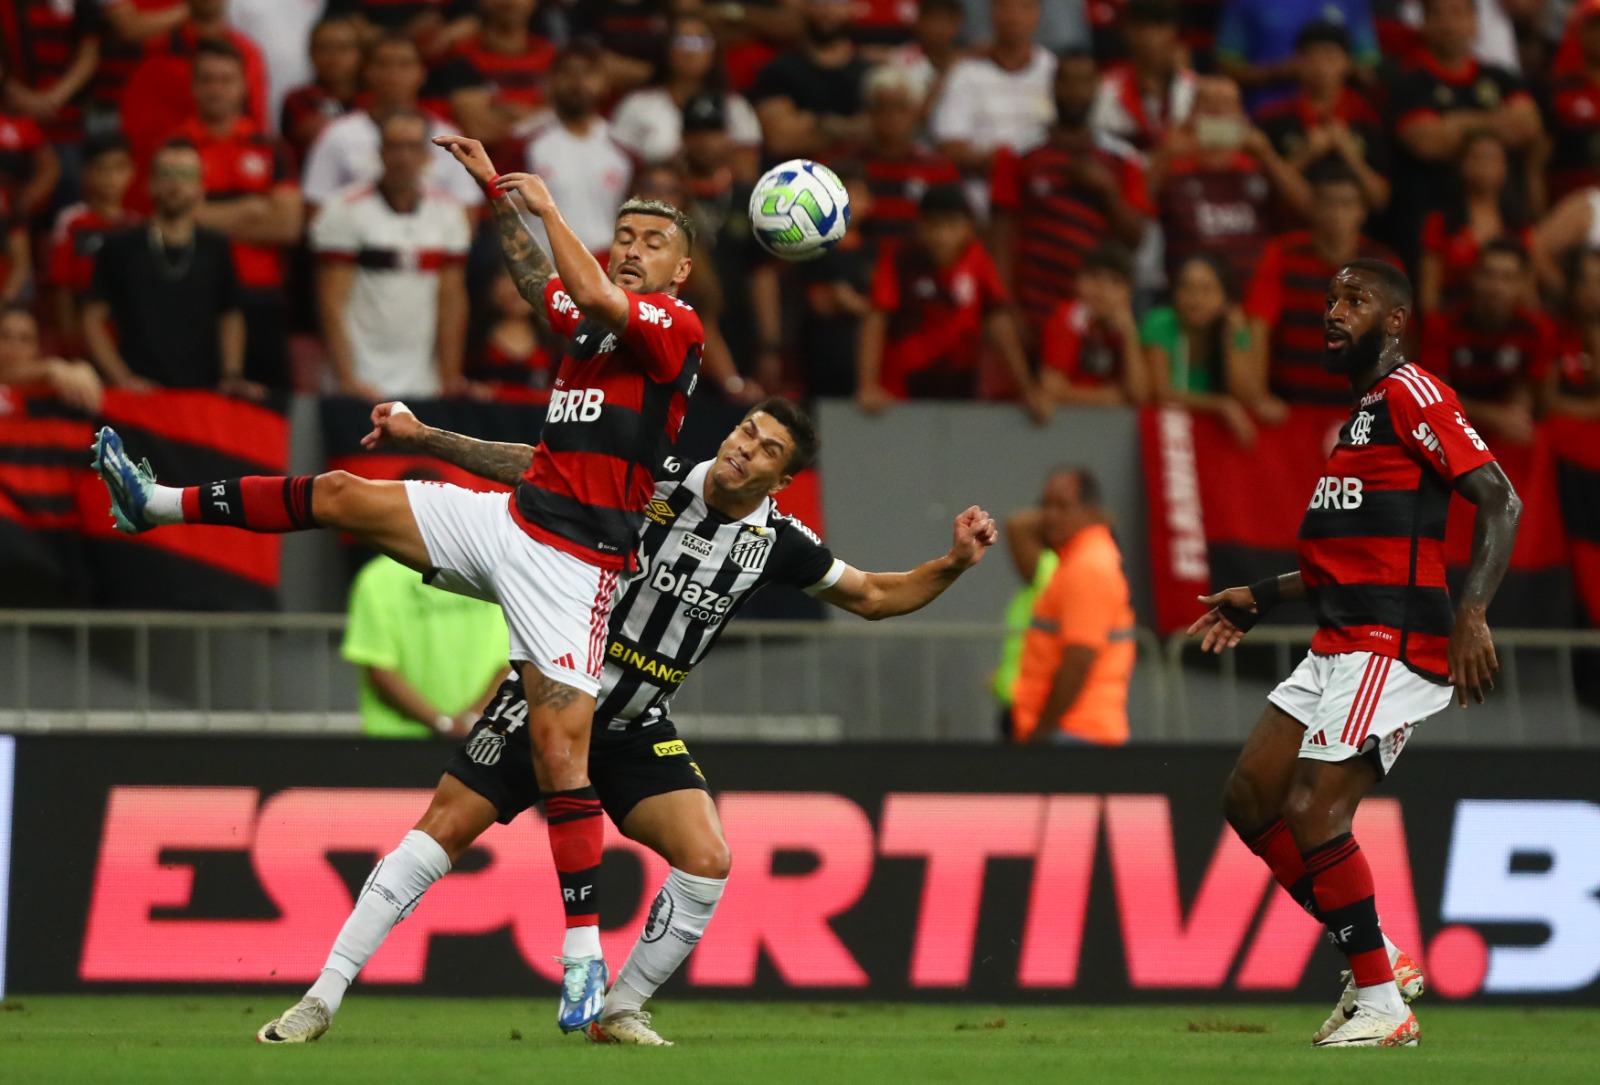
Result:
pixel 738 468
pixel 1336 339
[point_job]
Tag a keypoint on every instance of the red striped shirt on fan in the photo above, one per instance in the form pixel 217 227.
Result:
pixel 1371 544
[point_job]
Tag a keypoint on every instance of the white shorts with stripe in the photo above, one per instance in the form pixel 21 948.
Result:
pixel 1357 703
pixel 557 606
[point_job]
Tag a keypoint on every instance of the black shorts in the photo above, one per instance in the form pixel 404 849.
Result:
pixel 626 767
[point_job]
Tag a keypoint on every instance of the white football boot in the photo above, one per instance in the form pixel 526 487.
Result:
pixel 1407 976
pixel 1368 1028
pixel 300 1023
pixel 632 1027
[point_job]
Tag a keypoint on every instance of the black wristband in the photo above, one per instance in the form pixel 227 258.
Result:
pixel 1266 594
pixel 1238 617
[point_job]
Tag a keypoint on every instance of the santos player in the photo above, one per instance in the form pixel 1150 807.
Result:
pixel 712 537
pixel 1388 647
pixel 552 554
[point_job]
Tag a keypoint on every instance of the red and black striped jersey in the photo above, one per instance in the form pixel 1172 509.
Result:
pixel 897 185
pixel 1060 220
pixel 244 162
pixel 79 232
pixel 615 412
pixel 1572 114
pixel 1288 122
pixel 1288 293
pixel 1487 362
pixel 518 78
pixel 41 40
pixel 307 110
pixel 1224 209
pixel 1371 545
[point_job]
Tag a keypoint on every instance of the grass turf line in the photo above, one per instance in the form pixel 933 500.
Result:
pixel 132 1040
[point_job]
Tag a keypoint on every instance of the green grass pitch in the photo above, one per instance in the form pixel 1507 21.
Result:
pixel 128 1040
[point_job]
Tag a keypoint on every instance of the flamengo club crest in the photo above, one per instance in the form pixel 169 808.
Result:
pixel 750 552
pixel 1361 429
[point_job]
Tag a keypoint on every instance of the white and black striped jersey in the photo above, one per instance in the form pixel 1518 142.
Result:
pixel 698 568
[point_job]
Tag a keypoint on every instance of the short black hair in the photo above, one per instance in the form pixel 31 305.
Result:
pixel 944 199
pixel 406 114
pixel 662 209
pixel 949 7
pixel 176 143
pixel 792 417
pixel 1396 286
pixel 1111 258
pixel 1322 32
pixel 1332 171
pixel 113 143
pixel 1504 245
pixel 1089 491
pixel 1151 13
pixel 1075 52
pixel 216 47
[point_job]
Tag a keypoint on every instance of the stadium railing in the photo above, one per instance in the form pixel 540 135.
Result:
pixel 820 681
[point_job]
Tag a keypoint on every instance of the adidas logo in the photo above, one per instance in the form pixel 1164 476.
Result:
pixel 565 661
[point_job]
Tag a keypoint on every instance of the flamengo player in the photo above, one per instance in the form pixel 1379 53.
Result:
pixel 1388 648
pixel 712 538
pixel 551 554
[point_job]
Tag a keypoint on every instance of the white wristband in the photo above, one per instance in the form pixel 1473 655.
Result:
pixel 399 408
pixel 444 724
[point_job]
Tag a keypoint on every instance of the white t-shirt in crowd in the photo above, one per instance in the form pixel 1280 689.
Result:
pixel 347 153
pixel 588 176
pixel 392 315
pixel 650 124
pixel 989 107
pixel 282 28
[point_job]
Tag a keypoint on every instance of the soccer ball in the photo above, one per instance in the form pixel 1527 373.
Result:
pixel 799 209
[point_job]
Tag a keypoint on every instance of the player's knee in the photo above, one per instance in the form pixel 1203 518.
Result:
pixel 333 495
pixel 1241 801
pixel 708 859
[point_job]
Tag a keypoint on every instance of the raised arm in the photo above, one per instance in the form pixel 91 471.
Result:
pixel 1494 533
pixel 875 596
pixel 393 424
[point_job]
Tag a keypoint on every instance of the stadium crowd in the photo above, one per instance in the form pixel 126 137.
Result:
pixel 1058 201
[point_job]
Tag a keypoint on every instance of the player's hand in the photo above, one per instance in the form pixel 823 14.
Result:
pixel 1473 664
pixel 535 196
pixel 393 424
pixel 873 398
pixel 1221 634
pixel 470 153
pixel 975 532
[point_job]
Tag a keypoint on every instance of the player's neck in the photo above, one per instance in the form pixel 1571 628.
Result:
pixel 1391 359
pixel 732 505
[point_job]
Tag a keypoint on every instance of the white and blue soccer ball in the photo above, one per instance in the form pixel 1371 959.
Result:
pixel 799 209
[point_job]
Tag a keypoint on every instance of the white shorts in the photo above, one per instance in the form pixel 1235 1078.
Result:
pixel 1357 703
pixel 557 606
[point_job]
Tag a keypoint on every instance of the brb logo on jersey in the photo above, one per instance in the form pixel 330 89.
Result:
pixel 1333 492
pixel 654 314
pixel 575 405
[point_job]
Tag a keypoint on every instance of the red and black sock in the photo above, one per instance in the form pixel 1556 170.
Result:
pixel 577 836
pixel 270 504
pixel 1342 881
pixel 1276 847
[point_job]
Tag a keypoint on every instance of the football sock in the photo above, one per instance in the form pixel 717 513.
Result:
pixel 1276 847
pixel 390 894
pixel 677 920
pixel 577 835
pixel 269 504
pixel 1342 881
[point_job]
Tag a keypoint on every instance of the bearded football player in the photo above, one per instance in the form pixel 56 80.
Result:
pixel 1390 649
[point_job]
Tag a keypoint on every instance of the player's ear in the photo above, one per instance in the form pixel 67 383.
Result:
pixel 1394 325
pixel 780 485
pixel 685 265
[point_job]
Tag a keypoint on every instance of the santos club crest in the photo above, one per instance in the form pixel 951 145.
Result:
pixel 750 552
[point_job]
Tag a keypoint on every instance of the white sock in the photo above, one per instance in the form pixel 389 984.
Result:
pixel 391 892
pixel 581 942
pixel 1394 950
pixel 165 505
pixel 1382 998
pixel 677 920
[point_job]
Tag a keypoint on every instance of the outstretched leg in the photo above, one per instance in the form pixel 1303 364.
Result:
pixel 1254 796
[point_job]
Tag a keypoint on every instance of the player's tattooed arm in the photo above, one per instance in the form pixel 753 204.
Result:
pixel 495 461
pixel 530 268
pixel 546 692
pixel 1494 533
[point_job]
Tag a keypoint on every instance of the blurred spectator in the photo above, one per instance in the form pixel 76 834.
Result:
pixel 649 122
pixel 1256 42
pixel 282 28
pixel 1572 384
pixel 252 198
pixel 430 659
pixel 879 25
pixel 82 228
pixel 421 21
pixel 898 168
pixel 1090 350
pixel 587 171
pixel 1492 348
pixel 391 284
pixel 336 77
pixel 809 98
pixel 935 301
pixel 1483 205
pixel 1573 110
pixel 1573 224
pixel 1154 90
pixel 629 32
pixel 29 168
pixel 1062 24
pixel 347 150
pixel 837 292
pixel 509 362
pixel 75 382
pixel 495 79
pixel 1197 30
pixel 998 100
pixel 1078 655
pixel 1442 97
pixel 50 55
pixel 1215 180
pixel 1035 563
pixel 126 27
pixel 1195 348
pixel 163 308
pixel 160 91
pixel 1326 120
pixel 1062 199
pixel 934 48
pixel 1286 299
